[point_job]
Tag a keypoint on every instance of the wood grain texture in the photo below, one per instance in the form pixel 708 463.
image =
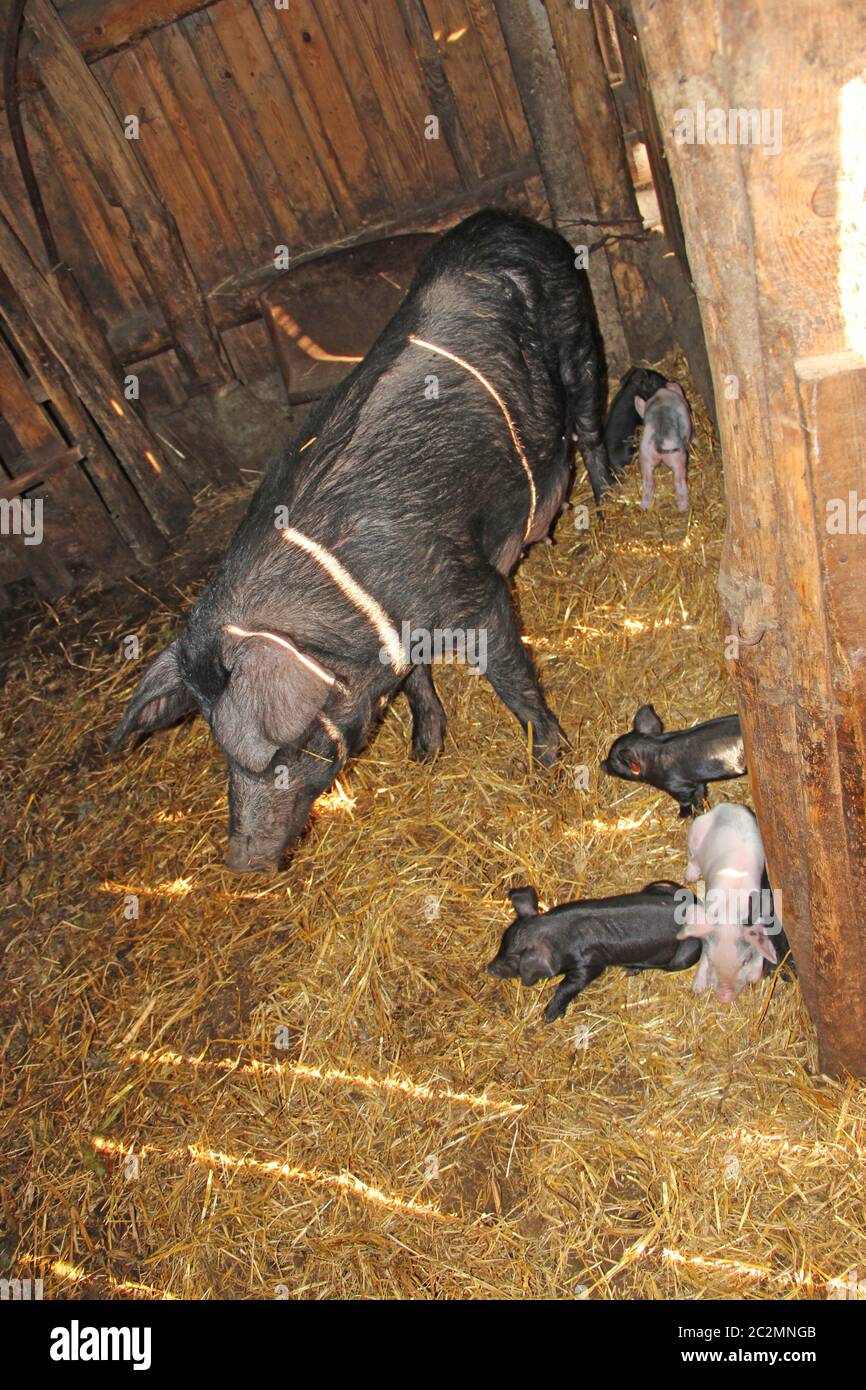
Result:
pixel 776 246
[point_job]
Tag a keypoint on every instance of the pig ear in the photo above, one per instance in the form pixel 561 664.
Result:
pixel 524 901
pixel 640 406
pixel 675 386
pixel 273 694
pixel 646 721
pixel 757 937
pixel 536 963
pixel 160 698
pixel 695 922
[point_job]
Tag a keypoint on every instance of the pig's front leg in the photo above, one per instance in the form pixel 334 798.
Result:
pixel 568 989
pixel 512 675
pixel 428 716
pixel 703 973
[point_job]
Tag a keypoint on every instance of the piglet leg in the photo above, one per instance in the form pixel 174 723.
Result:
pixel 678 468
pixel 568 989
pixel 647 472
pixel 702 974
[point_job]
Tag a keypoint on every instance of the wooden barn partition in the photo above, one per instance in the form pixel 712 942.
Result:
pixel 773 211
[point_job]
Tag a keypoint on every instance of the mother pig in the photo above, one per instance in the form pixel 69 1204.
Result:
pixel 402 506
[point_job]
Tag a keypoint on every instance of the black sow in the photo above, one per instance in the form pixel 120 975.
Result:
pixel 395 517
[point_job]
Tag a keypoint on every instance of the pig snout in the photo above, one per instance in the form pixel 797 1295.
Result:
pixel 242 857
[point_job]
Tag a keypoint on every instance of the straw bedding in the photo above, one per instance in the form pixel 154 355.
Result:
pixel 306 1085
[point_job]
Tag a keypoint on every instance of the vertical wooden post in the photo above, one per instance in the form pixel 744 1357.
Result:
pixel 772 209
pixel 602 146
pixel 544 94
pixel 153 231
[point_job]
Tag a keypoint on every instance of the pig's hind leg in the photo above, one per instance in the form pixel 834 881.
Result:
pixel 582 375
pixel 685 956
pixel 512 674
pixel 428 716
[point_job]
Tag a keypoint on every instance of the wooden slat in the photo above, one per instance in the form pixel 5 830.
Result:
pixel 471 165
pixel 602 146
pixel 153 232
pixel 282 226
pixel 100 27
pixel 486 25
pixel 394 70
pixel 54 458
pixel 205 125
pixel 92 237
pixel 324 108
pixel 123 505
pixel 165 152
pixel 142 457
pixel 280 129
pixel 461 51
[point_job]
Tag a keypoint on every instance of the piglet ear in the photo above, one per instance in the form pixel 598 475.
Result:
pixel 536 963
pixel 646 721
pixel 640 406
pixel 675 386
pixel 757 937
pixel 160 698
pixel 695 920
pixel 524 901
pixel 273 694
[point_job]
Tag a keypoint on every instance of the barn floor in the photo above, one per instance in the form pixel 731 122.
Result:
pixel 307 1085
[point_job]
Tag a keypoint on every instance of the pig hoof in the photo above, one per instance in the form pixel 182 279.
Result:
pixel 548 754
pixel 424 752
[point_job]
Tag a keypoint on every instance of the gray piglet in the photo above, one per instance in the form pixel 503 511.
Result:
pixel 667 433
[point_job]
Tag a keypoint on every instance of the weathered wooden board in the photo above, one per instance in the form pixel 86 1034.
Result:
pixel 777 246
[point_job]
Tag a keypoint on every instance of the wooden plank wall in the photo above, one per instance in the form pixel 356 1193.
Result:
pixel 262 127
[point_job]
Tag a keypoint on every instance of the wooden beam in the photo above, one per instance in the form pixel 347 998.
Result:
pixel 100 27
pixel 55 458
pixel 544 93
pixel 441 96
pixel 144 460
pixel 122 503
pixel 776 243
pixel 153 231
pixel 644 318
